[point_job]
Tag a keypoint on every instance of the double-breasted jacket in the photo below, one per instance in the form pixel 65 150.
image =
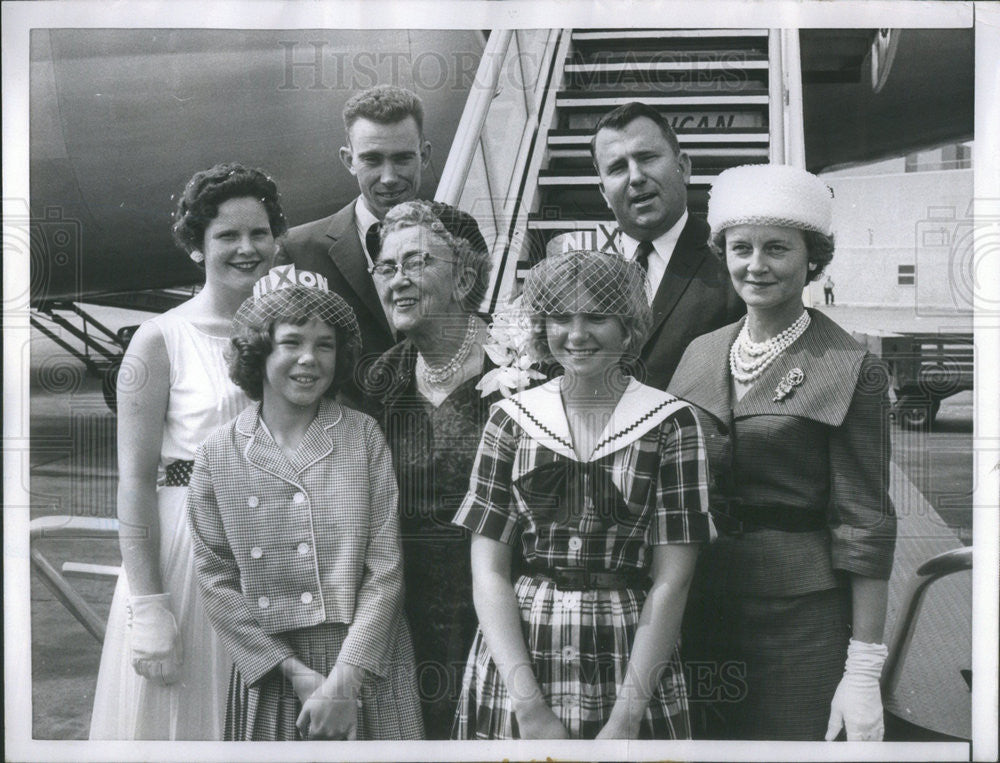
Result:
pixel 286 543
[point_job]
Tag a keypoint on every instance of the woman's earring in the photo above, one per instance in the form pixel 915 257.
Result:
pixel 196 256
pixel 812 265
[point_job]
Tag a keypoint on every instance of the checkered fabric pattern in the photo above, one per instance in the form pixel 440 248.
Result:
pixel 287 544
pixel 662 476
pixel 268 710
pixel 579 643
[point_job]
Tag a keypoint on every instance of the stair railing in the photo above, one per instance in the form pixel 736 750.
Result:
pixel 787 131
pixel 489 166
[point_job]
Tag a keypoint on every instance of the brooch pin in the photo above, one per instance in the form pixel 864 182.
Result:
pixel 786 386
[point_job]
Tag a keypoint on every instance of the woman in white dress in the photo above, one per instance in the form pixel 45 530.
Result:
pixel 163 672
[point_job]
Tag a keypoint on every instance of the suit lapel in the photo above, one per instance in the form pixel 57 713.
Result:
pixel 831 363
pixel 260 449
pixel 318 440
pixel 349 258
pixel 688 254
pixel 702 378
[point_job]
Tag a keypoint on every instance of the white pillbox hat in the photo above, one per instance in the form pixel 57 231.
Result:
pixel 770 194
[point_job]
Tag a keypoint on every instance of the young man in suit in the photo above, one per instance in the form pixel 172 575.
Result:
pixel 386 151
pixel 643 178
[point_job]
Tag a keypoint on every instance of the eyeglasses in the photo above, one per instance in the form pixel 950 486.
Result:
pixel 411 266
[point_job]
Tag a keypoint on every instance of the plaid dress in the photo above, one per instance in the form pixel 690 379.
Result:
pixel 645 484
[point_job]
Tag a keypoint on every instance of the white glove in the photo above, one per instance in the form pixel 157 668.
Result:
pixel 156 651
pixel 857 703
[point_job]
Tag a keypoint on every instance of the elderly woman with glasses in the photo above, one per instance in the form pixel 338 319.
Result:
pixel 431 272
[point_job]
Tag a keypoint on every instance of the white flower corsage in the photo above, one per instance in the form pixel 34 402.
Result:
pixel 509 333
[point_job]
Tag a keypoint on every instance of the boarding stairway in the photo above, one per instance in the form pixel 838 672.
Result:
pixel 711 84
pixel 728 93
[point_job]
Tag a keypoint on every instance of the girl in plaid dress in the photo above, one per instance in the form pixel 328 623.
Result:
pixel 600 483
pixel 293 514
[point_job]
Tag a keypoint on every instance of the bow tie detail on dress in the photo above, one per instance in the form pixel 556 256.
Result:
pixel 560 492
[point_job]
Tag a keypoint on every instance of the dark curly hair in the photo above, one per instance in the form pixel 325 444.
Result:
pixel 252 338
pixel 819 250
pixel 206 190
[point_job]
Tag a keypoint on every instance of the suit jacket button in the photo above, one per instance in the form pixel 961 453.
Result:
pixel 256 552
pixel 263 602
pixel 253 502
pixel 306 597
pixel 299 497
pixel 303 548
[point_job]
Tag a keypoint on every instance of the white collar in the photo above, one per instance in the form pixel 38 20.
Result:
pixel 540 413
pixel 664 244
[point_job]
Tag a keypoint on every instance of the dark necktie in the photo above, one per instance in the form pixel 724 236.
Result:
pixel 642 253
pixel 372 243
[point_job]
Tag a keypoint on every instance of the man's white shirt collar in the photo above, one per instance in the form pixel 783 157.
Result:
pixel 659 258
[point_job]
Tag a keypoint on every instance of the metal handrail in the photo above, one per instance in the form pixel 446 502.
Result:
pixel 64 528
pixel 957 560
pixel 470 126
pixel 776 98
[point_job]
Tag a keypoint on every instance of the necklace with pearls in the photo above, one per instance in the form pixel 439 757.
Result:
pixel 441 374
pixel 749 359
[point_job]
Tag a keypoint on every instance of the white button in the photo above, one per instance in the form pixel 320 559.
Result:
pixel 253 502
pixel 256 552
pixel 575 543
pixel 306 597
pixel 303 548
pixel 263 602
pixel 299 497
pixel 569 653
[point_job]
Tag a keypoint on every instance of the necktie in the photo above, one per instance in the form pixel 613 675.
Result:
pixel 372 244
pixel 642 253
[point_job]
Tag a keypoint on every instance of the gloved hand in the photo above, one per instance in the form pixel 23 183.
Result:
pixel 155 641
pixel 857 703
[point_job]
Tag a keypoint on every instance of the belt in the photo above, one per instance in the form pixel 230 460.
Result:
pixel 178 473
pixel 742 518
pixel 580 579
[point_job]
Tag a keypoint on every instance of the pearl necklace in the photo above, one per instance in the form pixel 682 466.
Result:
pixel 749 359
pixel 441 374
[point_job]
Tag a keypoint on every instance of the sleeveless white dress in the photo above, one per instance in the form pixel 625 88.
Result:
pixel 126 705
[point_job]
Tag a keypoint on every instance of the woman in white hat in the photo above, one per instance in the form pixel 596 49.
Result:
pixel 788 605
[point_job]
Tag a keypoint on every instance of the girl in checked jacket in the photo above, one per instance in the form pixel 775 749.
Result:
pixel 293 513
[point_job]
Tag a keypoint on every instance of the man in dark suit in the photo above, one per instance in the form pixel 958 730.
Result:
pixel 386 152
pixel 643 178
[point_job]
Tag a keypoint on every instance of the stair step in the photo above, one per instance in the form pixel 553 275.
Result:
pixel 721 152
pixel 589 178
pixel 563 225
pixel 578 100
pixel 689 137
pixel 638 66
pixel 607 35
